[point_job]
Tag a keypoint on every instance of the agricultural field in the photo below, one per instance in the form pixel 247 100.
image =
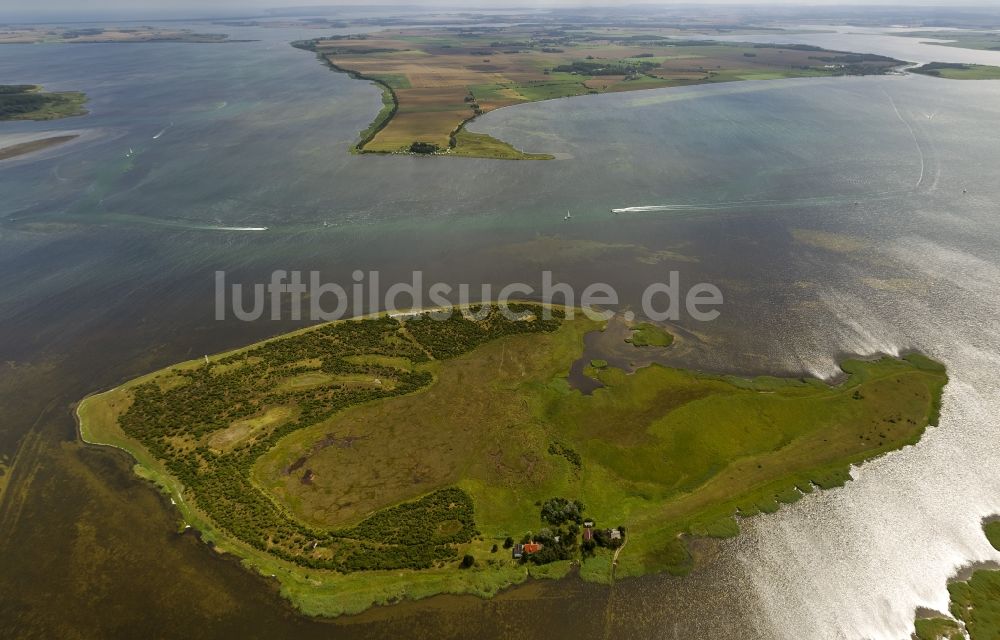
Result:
pixel 29 102
pixel 436 80
pixel 339 459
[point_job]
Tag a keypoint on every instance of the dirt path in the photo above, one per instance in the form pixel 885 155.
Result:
pixel 614 560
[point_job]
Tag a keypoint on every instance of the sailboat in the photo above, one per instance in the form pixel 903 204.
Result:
pixel 568 216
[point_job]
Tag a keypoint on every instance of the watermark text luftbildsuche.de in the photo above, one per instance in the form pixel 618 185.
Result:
pixel 304 295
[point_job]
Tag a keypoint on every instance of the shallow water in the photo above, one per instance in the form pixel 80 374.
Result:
pixel 844 215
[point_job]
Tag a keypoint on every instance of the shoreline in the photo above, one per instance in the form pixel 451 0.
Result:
pixel 34 146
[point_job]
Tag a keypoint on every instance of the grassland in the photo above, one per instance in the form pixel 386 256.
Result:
pixel 959 71
pixel 359 462
pixel 441 78
pixel 29 102
pixel 992 530
pixel 937 629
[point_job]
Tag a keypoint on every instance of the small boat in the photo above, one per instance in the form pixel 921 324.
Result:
pixel 568 216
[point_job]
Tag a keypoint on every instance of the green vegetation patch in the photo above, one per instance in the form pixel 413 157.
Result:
pixel 959 71
pixel 396 81
pixel 992 530
pixel 937 629
pixel 482 145
pixel 650 335
pixel 29 102
pixel 977 604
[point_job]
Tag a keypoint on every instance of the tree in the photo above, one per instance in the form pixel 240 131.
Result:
pixel 508 542
pixel 423 147
pixel 557 511
pixel 467 561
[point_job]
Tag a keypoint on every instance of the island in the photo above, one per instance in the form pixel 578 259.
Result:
pixel 973 602
pixel 959 71
pixel 366 461
pixel 435 80
pixel 29 102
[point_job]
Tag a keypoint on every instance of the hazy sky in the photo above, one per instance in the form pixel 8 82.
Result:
pixel 143 8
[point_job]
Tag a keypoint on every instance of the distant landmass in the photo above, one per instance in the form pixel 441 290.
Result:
pixel 63 34
pixel 435 80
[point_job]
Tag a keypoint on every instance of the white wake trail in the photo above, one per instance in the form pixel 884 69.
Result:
pixel 913 135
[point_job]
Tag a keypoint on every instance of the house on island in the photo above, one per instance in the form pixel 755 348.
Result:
pixel 588 534
pixel 616 534
pixel 520 550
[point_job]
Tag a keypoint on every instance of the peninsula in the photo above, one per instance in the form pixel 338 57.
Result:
pixel 435 80
pixel 337 459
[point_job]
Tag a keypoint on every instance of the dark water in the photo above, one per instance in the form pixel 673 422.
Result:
pixel 837 215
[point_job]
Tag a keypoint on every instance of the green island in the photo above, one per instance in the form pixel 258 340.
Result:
pixel 367 461
pixel 647 334
pixel 959 38
pixel 959 71
pixel 434 81
pixel 975 602
pixel 29 102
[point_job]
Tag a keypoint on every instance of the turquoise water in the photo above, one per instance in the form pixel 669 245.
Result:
pixel 843 215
